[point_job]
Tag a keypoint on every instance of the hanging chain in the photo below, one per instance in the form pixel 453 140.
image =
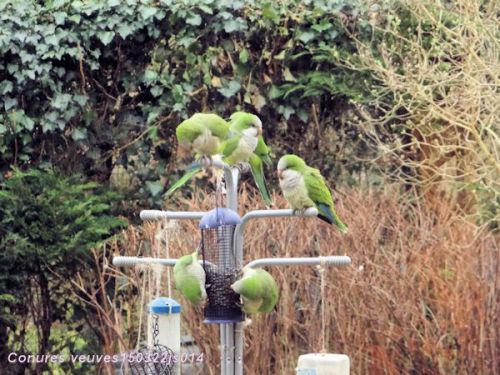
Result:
pixel 155 329
pixel 167 250
pixel 321 268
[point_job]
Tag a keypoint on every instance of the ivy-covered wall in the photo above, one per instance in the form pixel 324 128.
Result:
pixel 99 86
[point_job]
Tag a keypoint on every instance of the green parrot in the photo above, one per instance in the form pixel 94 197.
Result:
pixel 260 155
pixel 305 187
pixel 258 290
pixel 202 132
pixel 189 278
pixel 245 129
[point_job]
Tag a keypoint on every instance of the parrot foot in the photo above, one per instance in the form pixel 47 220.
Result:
pixel 243 167
pixel 206 161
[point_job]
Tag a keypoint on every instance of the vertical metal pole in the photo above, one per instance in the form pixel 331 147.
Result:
pixel 238 331
pixel 228 364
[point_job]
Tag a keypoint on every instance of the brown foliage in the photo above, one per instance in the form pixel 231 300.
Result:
pixel 419 298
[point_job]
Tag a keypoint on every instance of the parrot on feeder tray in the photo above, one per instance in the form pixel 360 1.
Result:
pixel 260 155
pixel 204 133
pixel 257 289
pixel 189 278
pixel 305 187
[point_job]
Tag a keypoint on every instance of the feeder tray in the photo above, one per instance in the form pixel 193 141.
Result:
pixel 220 265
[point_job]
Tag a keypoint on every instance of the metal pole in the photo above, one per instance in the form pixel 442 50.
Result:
pixel 231 176
pixel 341 260
pixel 238 245
pixel 179 215
pixel 301 261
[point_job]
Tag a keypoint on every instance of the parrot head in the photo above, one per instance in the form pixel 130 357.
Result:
pixel 247 286
pixel 186 260
pixel 290 165
pixel 246 123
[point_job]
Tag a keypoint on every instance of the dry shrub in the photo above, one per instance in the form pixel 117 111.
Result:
pixel 419 298
pixel 435 112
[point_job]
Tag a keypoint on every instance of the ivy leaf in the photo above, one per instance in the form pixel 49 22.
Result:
pixel 81 99
pixel 269 13
pixel 79 134
pixel 60 17
pixel 125 30
pixel 194 20
pixel 150 76
pixel 147 12
pixel 274 92
pixel 288 76
pixel 156 91
pixel 306 36
pixel 154 187
pixel 235 24
pixel 286 111
pixel 231 89
pixel 244 56
pixel 9 102
pixel 106 37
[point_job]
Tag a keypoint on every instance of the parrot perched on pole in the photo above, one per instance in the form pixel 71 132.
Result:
pixel 257 289
pixel 203 133
pixel 260 155
pixel 305 187
pixel 189 278
pixel 245 129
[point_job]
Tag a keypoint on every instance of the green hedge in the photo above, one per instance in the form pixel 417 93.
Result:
pixel 98 86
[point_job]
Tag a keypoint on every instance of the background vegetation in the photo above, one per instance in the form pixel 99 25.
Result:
pixel 395 101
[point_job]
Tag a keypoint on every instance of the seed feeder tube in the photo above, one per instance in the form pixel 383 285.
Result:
pixel 220 265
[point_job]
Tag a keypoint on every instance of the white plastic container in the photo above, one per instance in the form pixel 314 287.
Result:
pixel 166 326
pixel 323 364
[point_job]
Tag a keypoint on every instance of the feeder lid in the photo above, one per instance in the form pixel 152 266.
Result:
pixel 164 305
pixel 218 217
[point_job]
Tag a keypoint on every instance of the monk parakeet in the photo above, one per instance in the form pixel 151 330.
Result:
pixel 257 289
pixel 260 156
pixel 305 187
pixel 245 129
pixel 202 132
pixel 189 278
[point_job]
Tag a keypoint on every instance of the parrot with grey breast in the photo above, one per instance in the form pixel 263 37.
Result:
pixel 305 187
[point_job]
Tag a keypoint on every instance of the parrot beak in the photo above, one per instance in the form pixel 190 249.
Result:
pixel 259 131
pixel 280 174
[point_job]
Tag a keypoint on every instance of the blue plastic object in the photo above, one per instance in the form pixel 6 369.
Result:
pixel 164 305
pixel 218 217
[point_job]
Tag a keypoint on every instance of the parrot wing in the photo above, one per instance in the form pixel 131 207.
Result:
pixel 188 130
pixel 263 151
pixel 321 196
pixel 230 145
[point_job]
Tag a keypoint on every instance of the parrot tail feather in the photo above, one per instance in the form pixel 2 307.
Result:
pixel 327 214
pixel 258 176
pixel 191 170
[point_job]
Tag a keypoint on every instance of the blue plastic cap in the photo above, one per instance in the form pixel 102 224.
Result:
pixel 164 305
pixel 219 217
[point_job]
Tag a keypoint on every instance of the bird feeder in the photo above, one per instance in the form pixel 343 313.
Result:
pixel 220 265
